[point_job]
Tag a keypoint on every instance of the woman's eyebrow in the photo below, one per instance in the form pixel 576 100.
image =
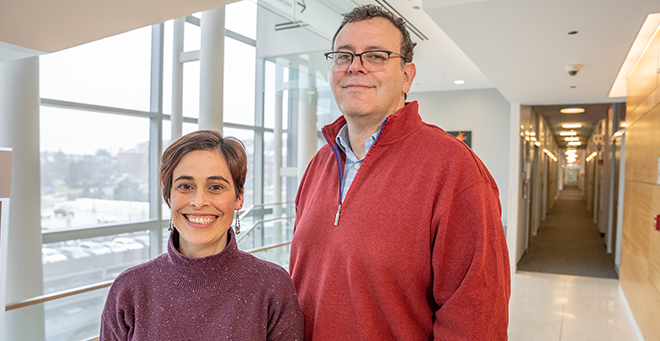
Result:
pixel 184 177
pixel 217 177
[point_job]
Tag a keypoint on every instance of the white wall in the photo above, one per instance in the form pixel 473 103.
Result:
pixel 486 113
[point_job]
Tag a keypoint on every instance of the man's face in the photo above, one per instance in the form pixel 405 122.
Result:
pixel 361 93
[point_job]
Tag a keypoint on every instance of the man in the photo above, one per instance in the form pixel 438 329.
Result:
pixel 398 231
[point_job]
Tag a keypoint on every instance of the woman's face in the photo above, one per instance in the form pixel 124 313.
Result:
pixel 203 200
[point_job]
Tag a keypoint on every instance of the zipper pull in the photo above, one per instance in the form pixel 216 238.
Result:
pixel 337 215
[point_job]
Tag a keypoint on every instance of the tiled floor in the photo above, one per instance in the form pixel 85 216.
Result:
pixel 568 308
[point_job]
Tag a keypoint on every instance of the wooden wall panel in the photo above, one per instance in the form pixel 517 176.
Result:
pixel 640 250
pixel 643 133
pixel 643 299
pixel 643 80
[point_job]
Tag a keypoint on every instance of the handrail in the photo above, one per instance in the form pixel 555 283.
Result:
pixel 88 288
pixel 268 247
pixel 56 295
pixel 80 290
pixel 245 233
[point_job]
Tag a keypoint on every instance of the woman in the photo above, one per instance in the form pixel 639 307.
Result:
pixel 203 288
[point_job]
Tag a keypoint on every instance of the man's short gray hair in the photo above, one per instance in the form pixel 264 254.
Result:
pixel 371 11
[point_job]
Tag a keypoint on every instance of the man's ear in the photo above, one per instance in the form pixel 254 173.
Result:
pixel 409 73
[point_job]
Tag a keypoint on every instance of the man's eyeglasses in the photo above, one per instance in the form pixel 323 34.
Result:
pixel 371 60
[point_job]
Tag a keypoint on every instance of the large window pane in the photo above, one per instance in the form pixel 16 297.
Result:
pixel 192 37
pixel 76 263
pixel 239 82
pixel 247 137
pixel 241 17
pixel 269 94
pixel 111 72
pixel 191 89
pixel 94 168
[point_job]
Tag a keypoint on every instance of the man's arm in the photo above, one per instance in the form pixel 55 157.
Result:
pixel 471 281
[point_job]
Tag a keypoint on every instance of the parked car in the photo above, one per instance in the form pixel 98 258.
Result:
pixel 104 218
pixel 50 255
pixel 130 243
pixel 95 248
pixel 74 252
pixel 47 214
pixel 63 210
pixel 115 247
pixel 144 239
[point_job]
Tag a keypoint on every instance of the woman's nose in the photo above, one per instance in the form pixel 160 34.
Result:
pixel 199 200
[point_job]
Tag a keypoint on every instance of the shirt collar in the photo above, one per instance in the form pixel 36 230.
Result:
pixel 343 142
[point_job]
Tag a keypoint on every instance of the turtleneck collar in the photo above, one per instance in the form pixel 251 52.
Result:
pixel 207 273
pixel 396 126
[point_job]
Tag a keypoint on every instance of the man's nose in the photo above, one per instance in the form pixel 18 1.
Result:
pixel 356 65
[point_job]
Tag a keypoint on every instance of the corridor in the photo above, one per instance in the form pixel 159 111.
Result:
pixel 568 242
pixel 566 288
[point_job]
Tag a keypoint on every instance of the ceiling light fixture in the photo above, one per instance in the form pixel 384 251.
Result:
pixel 572 139
pixel 459 82
pixel 574 143
pixel 572 110
pixel 567 133
pixel 571 125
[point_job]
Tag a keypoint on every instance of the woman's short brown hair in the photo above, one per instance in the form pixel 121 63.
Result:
pixel 232 149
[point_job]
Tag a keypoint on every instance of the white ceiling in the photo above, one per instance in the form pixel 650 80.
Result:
pixel 519 47
pixel 34 27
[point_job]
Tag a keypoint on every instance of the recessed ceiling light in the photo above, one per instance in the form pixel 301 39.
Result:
pixel 574 143
pixel 459 81
pixel 571 125
pixel 572 110
pixel 567 133
pixel 572 139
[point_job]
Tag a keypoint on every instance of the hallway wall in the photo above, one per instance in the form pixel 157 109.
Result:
pixel 640 257
pixel 485 112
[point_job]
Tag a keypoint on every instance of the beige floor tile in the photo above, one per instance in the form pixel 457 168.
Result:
pixel 568 308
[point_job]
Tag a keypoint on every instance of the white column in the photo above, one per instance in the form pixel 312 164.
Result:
pixel 306 127
pixel 514 188
pixel 211 58
pixel 277 168
pixel 19 114
pixel 176 119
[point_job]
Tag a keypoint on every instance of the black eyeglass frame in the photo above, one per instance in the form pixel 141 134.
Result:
pixel 329 55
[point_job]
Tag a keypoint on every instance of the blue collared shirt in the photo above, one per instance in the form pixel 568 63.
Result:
pixel 352 163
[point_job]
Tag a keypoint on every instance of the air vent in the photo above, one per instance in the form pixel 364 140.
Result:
pixel 410 26
pixel 290 25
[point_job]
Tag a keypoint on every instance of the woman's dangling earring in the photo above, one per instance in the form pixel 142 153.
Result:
pixel 171 228
pixel 237 226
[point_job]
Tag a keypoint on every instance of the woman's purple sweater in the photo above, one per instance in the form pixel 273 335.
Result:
pixel 231 295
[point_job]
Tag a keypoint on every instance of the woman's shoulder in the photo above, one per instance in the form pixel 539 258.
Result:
pixel 260 267
pixel 134 276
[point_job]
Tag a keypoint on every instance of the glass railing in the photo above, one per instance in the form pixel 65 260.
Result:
pixel 75 314
pixel 269 232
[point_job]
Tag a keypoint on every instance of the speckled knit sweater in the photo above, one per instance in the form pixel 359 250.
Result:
pixel 228 296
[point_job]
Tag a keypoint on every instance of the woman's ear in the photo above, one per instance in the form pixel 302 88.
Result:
pixel 239 202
